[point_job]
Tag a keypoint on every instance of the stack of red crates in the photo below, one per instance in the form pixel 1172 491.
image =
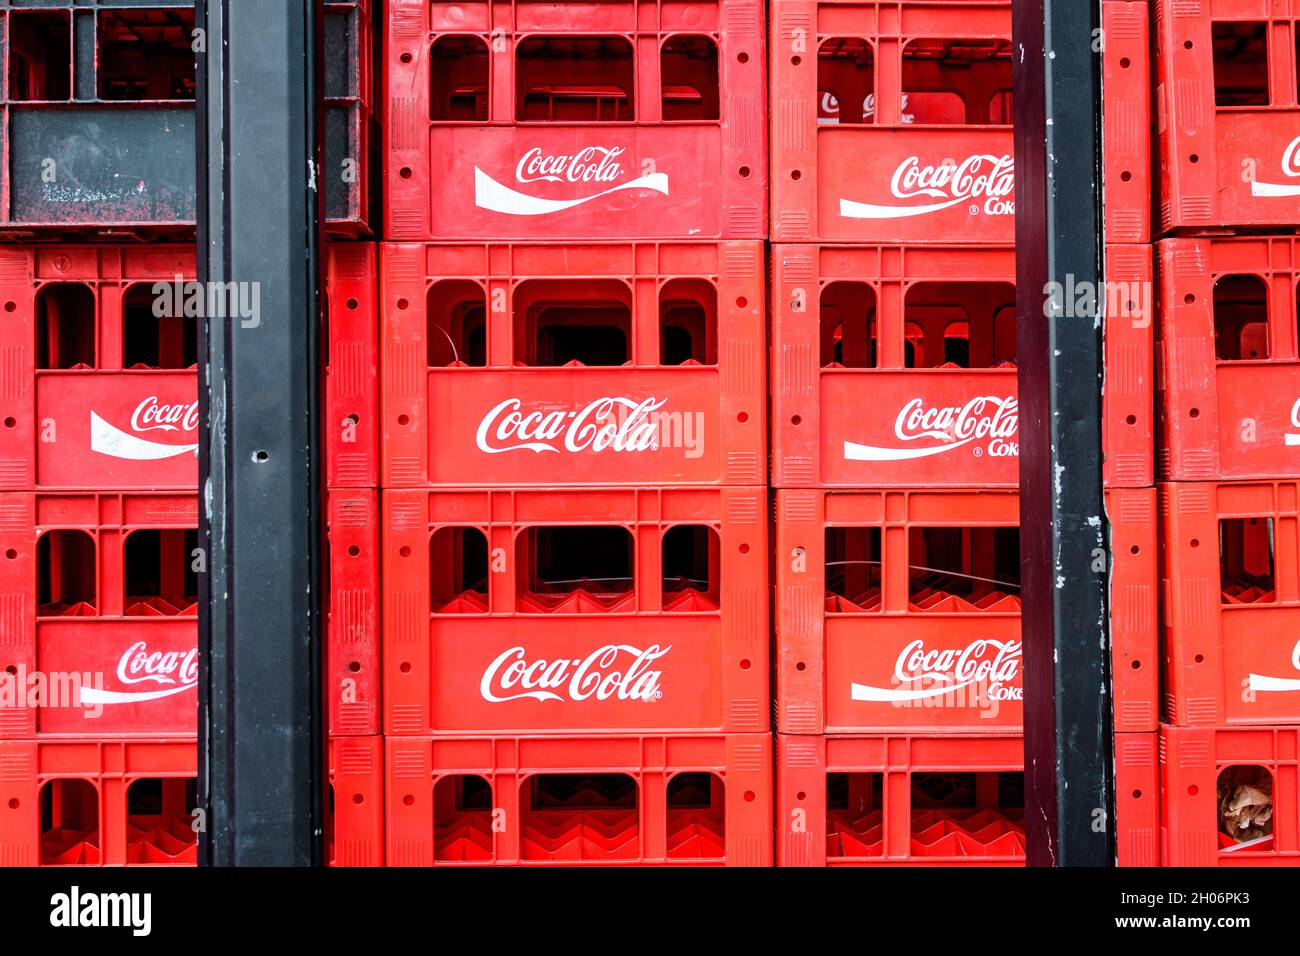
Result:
pixel 355 807
pixel 99 430
pixel 98 575
pixel 895 432
pixel 1229 408
pixel 574 504
pixel 99 556
pixel 1128 424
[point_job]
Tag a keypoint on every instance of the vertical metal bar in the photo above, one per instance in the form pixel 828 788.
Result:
pixel 260 755
pixel 1068 769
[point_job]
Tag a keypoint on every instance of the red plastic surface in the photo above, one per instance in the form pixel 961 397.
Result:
pixel 900 800
pixel 351 430
pixel 1137 800
pixel 353 623
pixel 354 826
pixel 1131 515
pixel 926 156
pixel 1195 762
pixel 490 373
pixel 106 803
pixel 1230 571
pixel 1229 365
pixel 575 121
pixel 99 625
pixel 1226 114
pixel 1126 118
pixel 891 633
pixel 80 405
pixel 557 612
pixel 623 800
pixel 926 336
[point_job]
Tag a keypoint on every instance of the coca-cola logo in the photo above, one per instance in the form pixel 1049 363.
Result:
pixel 1262 682
pixel 981 176
pixel 138 666
pixel 1293 438
pixel 163 673
pixel 1290 167
pixel 612 672
pixel 921 673
pixel 590 165
pixel 152 414
pixel 992 419
pixel 605 424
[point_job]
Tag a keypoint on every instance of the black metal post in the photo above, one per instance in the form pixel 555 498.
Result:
pixel 1068 772
pixel 260 750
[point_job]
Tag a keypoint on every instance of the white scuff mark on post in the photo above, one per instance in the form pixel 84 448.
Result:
pixel 1094 521
pixel 1060 582
pixel 1060 473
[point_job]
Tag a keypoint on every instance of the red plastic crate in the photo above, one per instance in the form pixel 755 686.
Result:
pixel 100 633
pixel 353 624
pixel 352 373
pixel 1126 120
pixel 1229 366
pixel 97 119
pixel 622 800
pixel 551 365
pixel 1230 569
pixel 1134 587
pixel 926 335
pixel 355 810
pixel 99 624
pixel 98 392
pixel 1137 800
pixel 1128 428
pixel 925 155
pixel 1203 825
pixel 840 663
pixel 97 802
pixel 1227 114
pixel 84 402
pixel 569 612
pixel 633 118
pixel 900 800
pixel 889 614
